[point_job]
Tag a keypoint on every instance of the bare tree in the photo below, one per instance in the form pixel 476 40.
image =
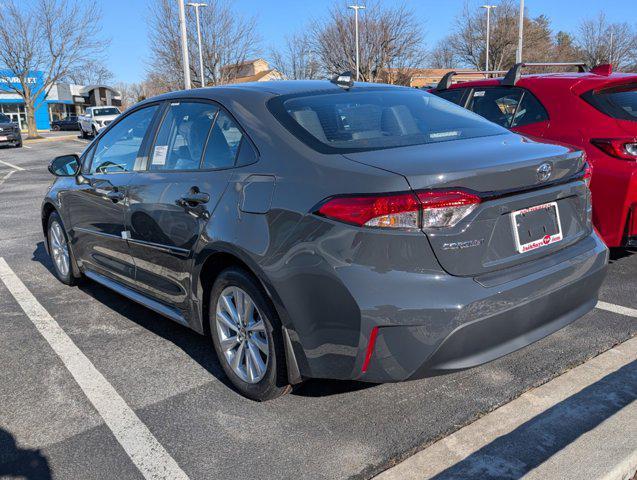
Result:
pixel 604 42
pixel 443 55
pixel 468 40
pixel 391 41
pixel 131 93
pixel 227 39
pixel 49 36
pixel 296 60
pixel 91 72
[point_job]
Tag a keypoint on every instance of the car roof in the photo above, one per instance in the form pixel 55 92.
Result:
pixel 579 82
pixel 267 89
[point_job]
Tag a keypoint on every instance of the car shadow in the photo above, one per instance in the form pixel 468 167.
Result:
pixel 619 253
pixel 198 347
pixel 16 462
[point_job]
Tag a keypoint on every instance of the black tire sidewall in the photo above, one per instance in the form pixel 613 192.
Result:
pixel 274 383
pixel 68 279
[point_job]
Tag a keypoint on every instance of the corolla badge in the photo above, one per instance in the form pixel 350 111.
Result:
pixel 544 172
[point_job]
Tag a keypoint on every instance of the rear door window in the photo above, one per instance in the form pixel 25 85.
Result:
pixel 454 95
pixel 182 136
pixel 223 143
pixel 506 106
pixel 618 102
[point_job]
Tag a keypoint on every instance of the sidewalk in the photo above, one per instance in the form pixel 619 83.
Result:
pixel 581 425
pixel 53 136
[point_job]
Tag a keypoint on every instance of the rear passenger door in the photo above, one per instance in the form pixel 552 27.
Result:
pixel 188 168
pixel 511 107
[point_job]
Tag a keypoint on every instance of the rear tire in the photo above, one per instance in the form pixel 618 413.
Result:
pixel 94 130
pixel 252 355
pixel 64 265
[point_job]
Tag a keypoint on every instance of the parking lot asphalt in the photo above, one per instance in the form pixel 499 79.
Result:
pixel 170 378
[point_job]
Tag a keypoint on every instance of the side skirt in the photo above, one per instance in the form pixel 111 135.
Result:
pixel 131 294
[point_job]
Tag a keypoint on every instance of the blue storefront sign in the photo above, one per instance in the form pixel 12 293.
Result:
pixel 14 107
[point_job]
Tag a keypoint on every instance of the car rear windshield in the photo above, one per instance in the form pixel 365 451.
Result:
pixel 106 111
pixel 618 102
pixel 372 119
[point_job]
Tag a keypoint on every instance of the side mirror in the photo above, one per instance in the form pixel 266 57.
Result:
pixel 65 166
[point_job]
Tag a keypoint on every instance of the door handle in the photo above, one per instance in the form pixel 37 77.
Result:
pixel 193 198
pixel 115 196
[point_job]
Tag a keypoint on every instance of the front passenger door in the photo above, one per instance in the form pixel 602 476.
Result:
pixel 97 207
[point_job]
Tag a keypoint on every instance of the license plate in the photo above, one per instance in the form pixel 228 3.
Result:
pixel 3 138
pixel 536 227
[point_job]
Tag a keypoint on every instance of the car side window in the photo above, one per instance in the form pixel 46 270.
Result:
pixel 117 149
pixel 223 143
pixel 529 111
pixel 247 153
pixel 496 104
pixel 182 136
pixel 453 95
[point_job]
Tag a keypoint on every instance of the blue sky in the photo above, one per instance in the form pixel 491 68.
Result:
pixel 124 21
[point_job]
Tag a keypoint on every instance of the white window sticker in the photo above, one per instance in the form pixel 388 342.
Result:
pixel 479 93
pixel 159 155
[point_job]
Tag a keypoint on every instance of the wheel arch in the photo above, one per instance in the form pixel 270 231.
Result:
pixel 210 262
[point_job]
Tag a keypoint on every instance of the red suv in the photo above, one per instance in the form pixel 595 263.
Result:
pixel 594 110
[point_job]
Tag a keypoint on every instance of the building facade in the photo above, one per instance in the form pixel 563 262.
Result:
pixel 63 100
pixel 257 70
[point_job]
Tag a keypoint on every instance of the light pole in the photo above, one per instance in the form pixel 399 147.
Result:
pixel 184 44
pixel 488 9
pixel 197 6
pixel 518 52
pixel 356 8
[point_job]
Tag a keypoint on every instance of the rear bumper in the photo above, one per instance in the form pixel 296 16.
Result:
pixel 493 316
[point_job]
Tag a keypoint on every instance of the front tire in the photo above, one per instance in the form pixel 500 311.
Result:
pixel 64 265
pixel 246 333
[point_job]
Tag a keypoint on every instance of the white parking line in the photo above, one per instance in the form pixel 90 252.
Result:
pixel 11 165
pixel 26 146
pixel 148 455
pixel 6 177
pixel 630 312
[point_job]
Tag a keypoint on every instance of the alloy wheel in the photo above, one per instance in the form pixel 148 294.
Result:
pixel 242 334
pixel 59 249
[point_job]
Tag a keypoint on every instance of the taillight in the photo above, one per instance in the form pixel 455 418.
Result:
pixel 626 149
pixel 425 209
pixel 588 174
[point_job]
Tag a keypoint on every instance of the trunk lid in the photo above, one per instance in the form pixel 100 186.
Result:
pixel 503 169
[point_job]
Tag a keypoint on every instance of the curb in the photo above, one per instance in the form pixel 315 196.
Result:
pixel 51 139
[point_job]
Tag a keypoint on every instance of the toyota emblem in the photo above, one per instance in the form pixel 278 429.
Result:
pixel 544 172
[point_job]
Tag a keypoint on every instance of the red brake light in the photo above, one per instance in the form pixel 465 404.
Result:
pixel 426 209
pixel 626 149
pixel 588 174
pixel 397 211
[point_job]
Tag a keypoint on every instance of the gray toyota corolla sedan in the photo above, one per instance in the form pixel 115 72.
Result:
pixel 330 230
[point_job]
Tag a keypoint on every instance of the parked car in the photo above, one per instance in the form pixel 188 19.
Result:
pixel 329 229
pixel 9 132
pixel 69 123
pixel 594 110
pixel 95 119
